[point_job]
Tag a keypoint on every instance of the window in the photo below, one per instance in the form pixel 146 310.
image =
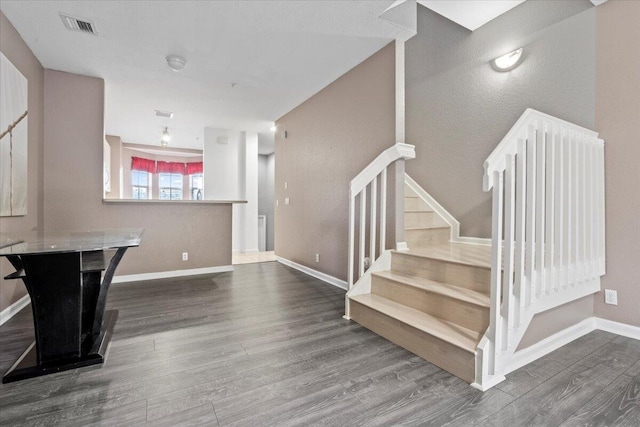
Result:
pixel 140 185
pixel 196 184
pixel 170 185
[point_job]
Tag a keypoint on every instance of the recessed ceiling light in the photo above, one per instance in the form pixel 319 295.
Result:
pixel 175 62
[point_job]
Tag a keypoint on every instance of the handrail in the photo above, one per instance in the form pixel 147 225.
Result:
pixel 508 145
pixel 384 159
pixel 374 172
pixel 548 229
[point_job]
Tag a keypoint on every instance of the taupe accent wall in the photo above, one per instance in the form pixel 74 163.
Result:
pixel 618 121
pixel 74 131
pixel 16 50
pixel 331 137
pixel 459 108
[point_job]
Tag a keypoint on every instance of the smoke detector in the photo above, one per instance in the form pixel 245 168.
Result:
pixel 175 62
pixel 78 24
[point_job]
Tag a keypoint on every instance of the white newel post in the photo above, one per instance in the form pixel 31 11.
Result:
pixel 401 244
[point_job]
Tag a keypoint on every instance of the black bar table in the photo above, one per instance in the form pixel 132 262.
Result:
pixel 63 273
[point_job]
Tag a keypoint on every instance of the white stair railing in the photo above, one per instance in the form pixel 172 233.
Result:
pixel 548 226
pixel 366 182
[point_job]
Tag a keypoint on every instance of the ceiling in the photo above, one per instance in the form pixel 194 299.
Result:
pixel 248 62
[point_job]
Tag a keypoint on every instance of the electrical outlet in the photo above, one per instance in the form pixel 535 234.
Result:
pixel 317 257
pixel 367 263
pixel 611 297
pixel 185 256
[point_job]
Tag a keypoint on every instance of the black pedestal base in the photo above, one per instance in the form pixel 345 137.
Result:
pixel 27 367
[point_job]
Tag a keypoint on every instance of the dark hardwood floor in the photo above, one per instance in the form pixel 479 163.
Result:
pixel 267 345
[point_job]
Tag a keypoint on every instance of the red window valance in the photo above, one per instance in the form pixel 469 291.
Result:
pixel 141 164
pixel 194 167
pixel 170 167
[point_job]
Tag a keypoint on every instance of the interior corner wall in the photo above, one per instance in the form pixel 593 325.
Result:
pixel 618 122
pixel 249 210
pixel 266 164
pixel 74 131
pixel 17 51
pixel 331 137
pixel 459 108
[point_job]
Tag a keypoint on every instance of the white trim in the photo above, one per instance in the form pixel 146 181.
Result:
pixel 618 328
pixel 473 240
pixel 314 273
pixel 549 344
pixel 433 204
pixel 384 159
pixel 445 215
pixel 172 273
pixel 487 384
pixel 13 309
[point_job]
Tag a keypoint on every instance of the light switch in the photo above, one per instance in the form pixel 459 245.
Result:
pixel 286 185
pixel 286 200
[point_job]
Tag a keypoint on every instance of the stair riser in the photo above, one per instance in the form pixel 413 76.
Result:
pixel 414 204
pixel 422 238
pixel 422 219
pixel 462 313
pixel 459 362
pixel 466 276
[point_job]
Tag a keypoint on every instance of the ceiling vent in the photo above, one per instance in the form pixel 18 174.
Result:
pixel 77 24
pixel 166 114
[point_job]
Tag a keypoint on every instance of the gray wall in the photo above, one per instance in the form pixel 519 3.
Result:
pixel 618 121
pixel 459 108
pixel 74 131
pixel 16 50
pixel 331 137
pixel 266 176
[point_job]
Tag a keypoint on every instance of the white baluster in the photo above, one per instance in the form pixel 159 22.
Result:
pixel 550 208
pixel 374 224
pixel 530 258
pixel 521 281
pixel 541 142
pixel 559 194
pixel 383 210
pixel 509 247
pixel 352 230
pixel 495 325
pixel 363 220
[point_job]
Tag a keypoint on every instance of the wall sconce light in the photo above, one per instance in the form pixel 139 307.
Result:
pixel 273 128
pixel 164 140
pixel 508 62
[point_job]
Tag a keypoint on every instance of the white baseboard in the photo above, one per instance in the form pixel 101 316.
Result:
pixel 314 273
pixel 618 328
pixel 549 344
pixel 14 308
pixel 169 274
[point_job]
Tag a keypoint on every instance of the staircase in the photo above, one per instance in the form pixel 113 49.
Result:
pixel 434 301
pixel 466 307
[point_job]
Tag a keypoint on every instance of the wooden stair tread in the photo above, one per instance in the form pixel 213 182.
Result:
pixel 456 335
pixel 463 294
pixel 458 253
